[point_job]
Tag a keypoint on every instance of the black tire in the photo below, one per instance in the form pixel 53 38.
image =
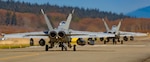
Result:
pixel 125 38
pixel 42 42
pixel 65 48
pixel 62 48
pixel 121 41
pixel 118 40
pixel 105 41
pixel 101 39
pixel 74 47
pixel 46 48
pixel 31 42
pixel 114 41
pixel 131 38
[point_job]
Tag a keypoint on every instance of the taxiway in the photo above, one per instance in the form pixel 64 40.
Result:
pixel 130 52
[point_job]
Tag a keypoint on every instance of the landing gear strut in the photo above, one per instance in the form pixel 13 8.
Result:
pixel 63 46
pixel 121 41
pixel 105 41
pixel 114 41
pixel 46 48
pixel 74 47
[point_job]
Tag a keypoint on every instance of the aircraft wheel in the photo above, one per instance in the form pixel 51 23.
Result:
pixel 31 42
pixel 114 41
pixel 121 41
pixel 63 47
pixel 74 47
pixel 105 41
pixel 131 38
pixel 118 40
pixel 46 48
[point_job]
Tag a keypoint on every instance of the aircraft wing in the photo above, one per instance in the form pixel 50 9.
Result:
pixel 24 35
pixel 132 34
pixel 90 34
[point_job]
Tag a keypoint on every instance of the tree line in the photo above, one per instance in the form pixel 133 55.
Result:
pixel 11 18
pixel 24 7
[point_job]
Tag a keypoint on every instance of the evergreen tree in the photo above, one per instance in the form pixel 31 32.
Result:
pixel 8 19
pixel 13 19
pixel 79 12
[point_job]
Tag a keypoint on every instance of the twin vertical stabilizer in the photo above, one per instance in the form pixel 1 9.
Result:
pixel 69 18
pixel 50 27
pixel 106 26
pixel 117 28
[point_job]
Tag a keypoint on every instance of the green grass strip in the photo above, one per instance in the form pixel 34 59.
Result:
pixel 13 46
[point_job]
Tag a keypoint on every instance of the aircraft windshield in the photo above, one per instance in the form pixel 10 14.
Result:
pixel 62 23
pixel 114 27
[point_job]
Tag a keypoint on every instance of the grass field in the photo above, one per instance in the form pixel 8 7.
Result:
pixel 11 46
pixel 16 43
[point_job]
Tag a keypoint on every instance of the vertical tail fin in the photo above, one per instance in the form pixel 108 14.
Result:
pixel 69 18
pixel 106 26
pixel 50 27
pixel 118 27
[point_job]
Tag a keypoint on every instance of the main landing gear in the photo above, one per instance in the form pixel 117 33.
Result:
pixel 63 47
pixel 74 47
pixel 31 42
pixel 46 48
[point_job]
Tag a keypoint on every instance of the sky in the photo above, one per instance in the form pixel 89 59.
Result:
pixel 116 6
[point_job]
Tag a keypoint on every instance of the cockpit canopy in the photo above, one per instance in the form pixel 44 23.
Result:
pixel 62 23
pixel 114 27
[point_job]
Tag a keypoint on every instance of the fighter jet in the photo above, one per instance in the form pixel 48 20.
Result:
pixel 65 37
pixel 116 31
pixel 58 36
pixel 62 35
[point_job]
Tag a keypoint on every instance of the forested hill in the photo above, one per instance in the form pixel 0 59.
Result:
pixel 17 17
pixel 79 12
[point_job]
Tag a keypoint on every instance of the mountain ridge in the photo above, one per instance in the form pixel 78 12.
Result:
pixel 140 13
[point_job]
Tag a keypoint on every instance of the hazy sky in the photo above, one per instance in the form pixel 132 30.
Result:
pixel 117 6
